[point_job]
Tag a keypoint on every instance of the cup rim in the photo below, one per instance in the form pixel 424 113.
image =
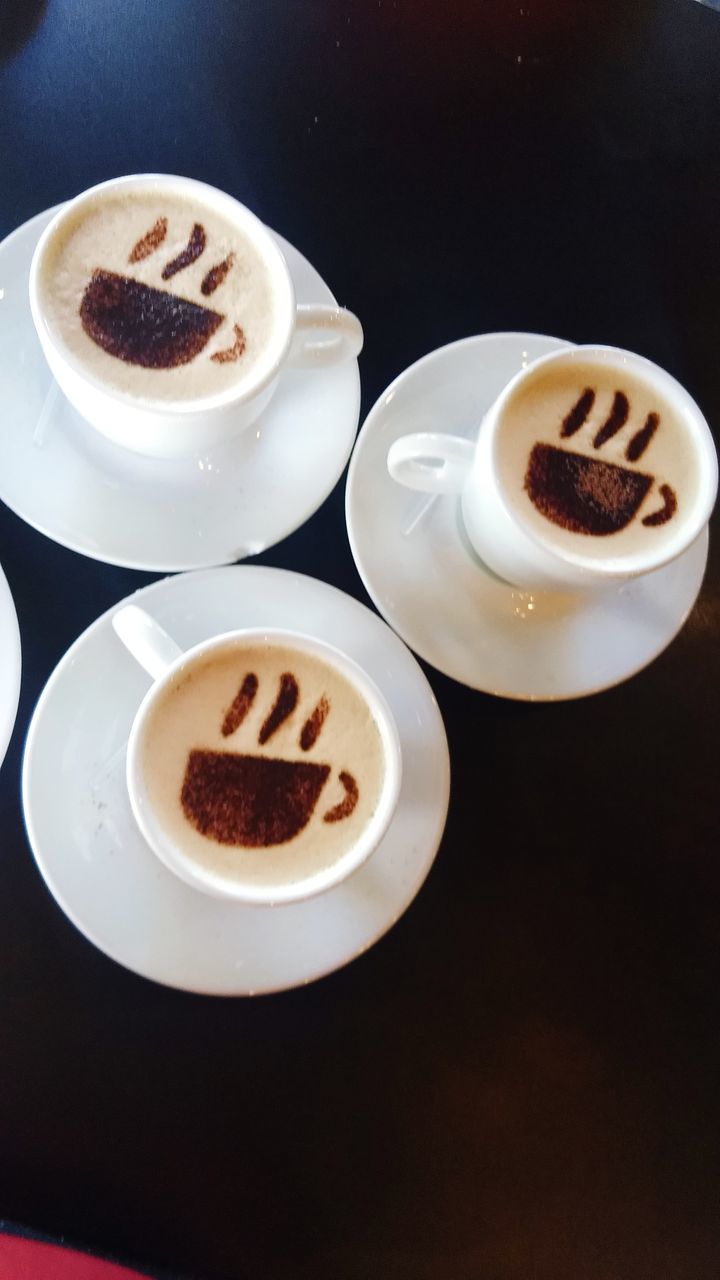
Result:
pixel 216 884
pixel 283 291
pixel 618 566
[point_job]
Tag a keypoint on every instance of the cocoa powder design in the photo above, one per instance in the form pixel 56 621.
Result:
pixel 258 801
pixel 588 495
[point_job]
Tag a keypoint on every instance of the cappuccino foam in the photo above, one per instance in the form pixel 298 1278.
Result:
pixel 596 462
pixel 158 295
pixel 262 763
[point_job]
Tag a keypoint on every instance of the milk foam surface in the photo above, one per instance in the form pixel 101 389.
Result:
pixel 189 719
pixel 530 444
pixel 102 236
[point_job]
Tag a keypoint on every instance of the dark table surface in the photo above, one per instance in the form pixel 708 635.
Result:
pixel 521 1079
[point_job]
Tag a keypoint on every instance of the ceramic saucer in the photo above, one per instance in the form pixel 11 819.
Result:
pixel 414 558
pixel 144 513
pixel 9 665
pixel 107 880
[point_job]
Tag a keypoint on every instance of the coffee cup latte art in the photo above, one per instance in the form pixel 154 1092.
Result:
pixel 592 465
pixel 166 312
pixel 262 765
pixel 159 295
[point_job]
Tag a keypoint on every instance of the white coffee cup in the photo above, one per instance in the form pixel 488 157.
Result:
pixel 302 336
pixel 163 659
pixel 506 542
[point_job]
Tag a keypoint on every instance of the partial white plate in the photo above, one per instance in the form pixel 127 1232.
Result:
pixel 82 491
pixel 10 664
pixel 104 876
pixel 417 565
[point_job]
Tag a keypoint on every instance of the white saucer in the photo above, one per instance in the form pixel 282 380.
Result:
pixel 66 480
pixel 9 665
pixel 104 876
pixel 416 563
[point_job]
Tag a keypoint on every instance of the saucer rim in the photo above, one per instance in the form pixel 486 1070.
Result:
pixel 10 625
pixel 93 552
pixel 442 768
pixel 700 544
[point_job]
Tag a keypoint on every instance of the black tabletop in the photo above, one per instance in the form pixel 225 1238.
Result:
pixel 520 1079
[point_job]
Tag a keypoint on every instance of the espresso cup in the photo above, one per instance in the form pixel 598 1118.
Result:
pixel 263 765
pixel 593 465
pixel 166 311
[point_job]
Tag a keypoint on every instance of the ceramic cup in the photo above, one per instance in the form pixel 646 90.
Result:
pixel 279 879
pixel 587 507
pixel 301 336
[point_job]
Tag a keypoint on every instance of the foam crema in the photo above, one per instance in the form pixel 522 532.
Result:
pixel 262 763
pixel 596 462
pixel 158 295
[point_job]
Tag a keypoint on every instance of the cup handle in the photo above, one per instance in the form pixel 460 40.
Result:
pixel 431 462
pixel 145 639
pixel 324 335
